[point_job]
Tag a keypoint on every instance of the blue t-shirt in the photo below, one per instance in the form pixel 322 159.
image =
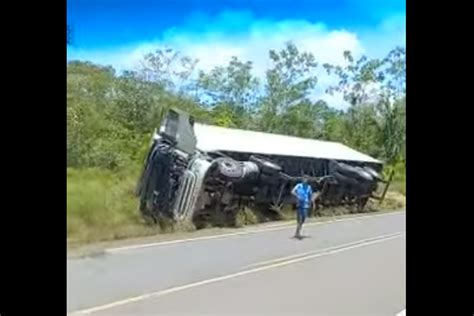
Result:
pixel 304 193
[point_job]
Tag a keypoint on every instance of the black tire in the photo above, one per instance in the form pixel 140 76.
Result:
pixel 229 168
pixel 355 173
pixel 348 171
pixel 331 193
pixel 364 174
pixel 362 188
pixel 373 173
pixel 265 165
pixel 348 186
pixel 342 179
pixel 251 171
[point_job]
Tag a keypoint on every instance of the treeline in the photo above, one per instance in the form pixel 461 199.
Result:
pixel 110 116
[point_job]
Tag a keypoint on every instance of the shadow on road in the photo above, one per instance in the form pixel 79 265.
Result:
pixel 300 238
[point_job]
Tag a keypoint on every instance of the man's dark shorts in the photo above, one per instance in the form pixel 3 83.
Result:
pixel 302 214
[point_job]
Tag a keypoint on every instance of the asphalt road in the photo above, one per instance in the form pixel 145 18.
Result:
pixel 353 267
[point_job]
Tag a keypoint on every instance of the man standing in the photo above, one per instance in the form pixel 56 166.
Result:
pixel 303 193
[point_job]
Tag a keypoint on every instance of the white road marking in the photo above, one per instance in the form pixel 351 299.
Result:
pixel 261 263
pixel 402 313
pixel 324 252
pixel 303 254
pixel 247 232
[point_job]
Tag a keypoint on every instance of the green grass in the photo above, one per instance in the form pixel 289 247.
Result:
pixel 101 205
pixel 396 195
pixel 245 217
pixel 399 179
pixel 398 186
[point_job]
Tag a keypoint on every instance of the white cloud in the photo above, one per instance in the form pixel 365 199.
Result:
pixel 214 48
pixel 389 33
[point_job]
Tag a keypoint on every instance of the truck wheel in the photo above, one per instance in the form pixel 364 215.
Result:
pixel 364 174
pixel 373 173
pixel 229 168
pixel 348 170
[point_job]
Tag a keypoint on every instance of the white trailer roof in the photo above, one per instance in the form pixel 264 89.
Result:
pixel 214 138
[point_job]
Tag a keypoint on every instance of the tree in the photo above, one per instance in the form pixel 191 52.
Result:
pixel 233 85
pixel 88 96
pixel 288 83
pixel 108 117
pixel 362 130
pixel 357 80
pixel 393 129
pixel 376 92
pixel 169 69
pixel 306 119
pixel 395 64
pixel 232 91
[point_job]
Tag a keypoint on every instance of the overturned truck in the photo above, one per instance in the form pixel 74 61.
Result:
pixel 195 172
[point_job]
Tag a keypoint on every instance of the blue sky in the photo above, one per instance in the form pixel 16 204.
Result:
pixel 120 32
